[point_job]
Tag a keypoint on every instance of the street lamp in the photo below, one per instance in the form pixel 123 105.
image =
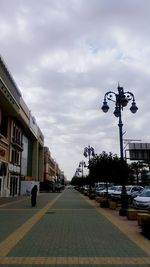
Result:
pixel 121 99
pixel 77 172
pixel 88 152
pixel 82 165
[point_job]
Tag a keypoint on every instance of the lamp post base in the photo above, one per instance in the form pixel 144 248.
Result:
pixel 124 202
pixel 122 212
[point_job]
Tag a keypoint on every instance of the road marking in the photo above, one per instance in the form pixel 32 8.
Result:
pixel 24 209
pixel 15 237
pixel 13 202
pixel 76 260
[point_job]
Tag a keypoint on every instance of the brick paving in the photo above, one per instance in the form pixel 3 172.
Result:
pixel 67 229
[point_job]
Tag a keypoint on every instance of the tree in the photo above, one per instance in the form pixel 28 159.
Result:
pixel 78 181
pixel 108 168
pixel 137 167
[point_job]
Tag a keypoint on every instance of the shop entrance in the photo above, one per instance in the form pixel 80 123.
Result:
pixel 14 183
pixel 1 186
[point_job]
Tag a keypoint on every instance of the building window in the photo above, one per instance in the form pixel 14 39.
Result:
pixel 4 125
pixel 15 157
pixel 17 135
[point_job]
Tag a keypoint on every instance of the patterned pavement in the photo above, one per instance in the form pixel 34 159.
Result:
pixel 67 229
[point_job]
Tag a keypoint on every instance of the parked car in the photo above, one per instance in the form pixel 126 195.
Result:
pixel 115 195
pixel 135 191
pixel 104 191
pixel 143 200
pixel 130 189
pixel 98 189
pixel 85 189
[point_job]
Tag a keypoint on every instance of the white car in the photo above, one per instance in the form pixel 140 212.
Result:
pixel 143 200
pixel 130 189
pixel 111 189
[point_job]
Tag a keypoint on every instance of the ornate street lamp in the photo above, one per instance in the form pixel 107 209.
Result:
pixel 88 152
pixel 82 165
pixel 121 100
pixel 77 172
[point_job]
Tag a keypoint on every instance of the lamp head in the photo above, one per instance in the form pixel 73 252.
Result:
pixel 105 107
pixel 85 152
pixel 123 101
pixel 92 152
pixel 117 111
pixel 133 108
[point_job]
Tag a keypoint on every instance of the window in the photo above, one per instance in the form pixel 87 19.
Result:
pixel 17 135
pixel 4 125
pixel 15 157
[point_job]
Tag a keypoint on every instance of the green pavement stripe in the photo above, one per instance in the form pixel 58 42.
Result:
pixel 76 260
pixel 12 239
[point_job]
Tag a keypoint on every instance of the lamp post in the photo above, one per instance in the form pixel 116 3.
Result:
pixel 77 172
pixel 121 99
pixel 81 166
pixel 88 152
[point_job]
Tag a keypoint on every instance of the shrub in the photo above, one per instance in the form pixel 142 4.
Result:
pixel 146 228
pixel 92 196
pixel 104 203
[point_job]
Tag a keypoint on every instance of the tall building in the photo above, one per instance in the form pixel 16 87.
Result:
pixel 21 140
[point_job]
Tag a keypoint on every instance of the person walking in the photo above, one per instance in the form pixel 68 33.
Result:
pixel 34 195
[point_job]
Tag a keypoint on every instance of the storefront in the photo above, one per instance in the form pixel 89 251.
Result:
pixel 3 178
pixel 14 180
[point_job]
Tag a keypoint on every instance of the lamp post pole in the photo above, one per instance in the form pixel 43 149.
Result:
pixel 121 99
pixel 120 125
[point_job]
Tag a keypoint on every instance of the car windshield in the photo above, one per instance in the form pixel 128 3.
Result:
pixel 112 188
pixel 118 188
pixel 128 188
pixel 145 193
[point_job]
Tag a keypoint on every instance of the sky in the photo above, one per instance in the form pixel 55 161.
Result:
pixel 64 55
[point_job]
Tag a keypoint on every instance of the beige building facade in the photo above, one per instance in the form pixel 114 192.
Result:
pixel 21 140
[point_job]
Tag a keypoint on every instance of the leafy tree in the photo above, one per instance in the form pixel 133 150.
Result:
pixel 78 181
pixel 108 168
pixel 136 168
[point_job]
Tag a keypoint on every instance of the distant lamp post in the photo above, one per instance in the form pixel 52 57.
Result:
pixel 82 165
pixel 121 100
pixel 89 152
pixel 77 172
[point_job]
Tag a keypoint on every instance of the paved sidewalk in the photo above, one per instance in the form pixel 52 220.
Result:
pixel 67 229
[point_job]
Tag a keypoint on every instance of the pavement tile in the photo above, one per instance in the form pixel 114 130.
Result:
pixel 68 232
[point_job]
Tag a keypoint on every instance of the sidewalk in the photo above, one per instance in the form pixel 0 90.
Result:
pixel 67 229
pixel 5 200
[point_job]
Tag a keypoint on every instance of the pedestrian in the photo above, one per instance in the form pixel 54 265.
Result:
pixel 34 195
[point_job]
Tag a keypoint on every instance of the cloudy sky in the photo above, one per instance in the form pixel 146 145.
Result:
pixel 65 55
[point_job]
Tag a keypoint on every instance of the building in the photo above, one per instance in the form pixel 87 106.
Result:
pixel 51 168
pixel 54 178
pixel 21 140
